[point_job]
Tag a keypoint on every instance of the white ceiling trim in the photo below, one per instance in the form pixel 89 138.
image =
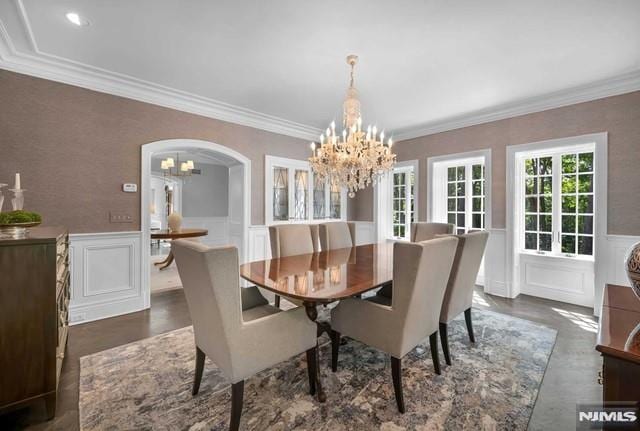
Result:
pixel 621 84
pixel 47 66
pixel 59 69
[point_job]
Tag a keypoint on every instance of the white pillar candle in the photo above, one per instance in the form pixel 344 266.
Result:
pixel 17 184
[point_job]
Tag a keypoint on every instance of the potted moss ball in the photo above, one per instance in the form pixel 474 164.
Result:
pixel 16 221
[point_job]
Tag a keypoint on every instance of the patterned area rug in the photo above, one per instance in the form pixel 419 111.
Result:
pixel 491 385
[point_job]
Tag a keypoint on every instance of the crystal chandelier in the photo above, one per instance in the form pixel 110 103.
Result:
pixel 357 158
pixel 169 163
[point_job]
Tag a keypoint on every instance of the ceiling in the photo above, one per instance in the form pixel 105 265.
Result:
pixel 425 65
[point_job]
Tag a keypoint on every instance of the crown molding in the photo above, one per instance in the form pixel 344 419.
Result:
pixel 51 67
pixel 614 86
pixel 54 68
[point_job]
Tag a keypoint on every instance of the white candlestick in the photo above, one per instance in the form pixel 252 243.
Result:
pixel 17 184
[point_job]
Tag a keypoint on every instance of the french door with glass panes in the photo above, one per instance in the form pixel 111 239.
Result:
pixel 402 209
pixel 558 204
pixel 466 197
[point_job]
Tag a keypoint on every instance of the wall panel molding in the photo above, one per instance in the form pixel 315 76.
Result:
pixel 105 275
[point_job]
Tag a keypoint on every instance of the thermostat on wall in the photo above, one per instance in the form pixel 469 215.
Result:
pixel 129 187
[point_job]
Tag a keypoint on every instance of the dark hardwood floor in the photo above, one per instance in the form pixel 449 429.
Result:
pixel 570 377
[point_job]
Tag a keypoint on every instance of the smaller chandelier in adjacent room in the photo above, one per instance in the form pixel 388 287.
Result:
pixel 356 158
pixel 175 168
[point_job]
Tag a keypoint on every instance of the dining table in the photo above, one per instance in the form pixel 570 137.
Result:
pixel 320 278
pixel 175 234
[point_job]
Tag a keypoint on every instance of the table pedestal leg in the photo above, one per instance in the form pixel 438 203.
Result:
pixel 312 314
pixel 168 261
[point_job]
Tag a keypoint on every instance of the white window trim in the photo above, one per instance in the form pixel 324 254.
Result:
pixel 600 207
pixel 292 165
pixel 383 196
pixel 436 180
pixel 555 153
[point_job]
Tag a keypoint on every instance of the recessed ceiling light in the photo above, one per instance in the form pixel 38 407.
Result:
pixel 76 19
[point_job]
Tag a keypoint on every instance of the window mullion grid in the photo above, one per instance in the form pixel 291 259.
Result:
pixel 407 205
pixel 468 192
pixel 556 215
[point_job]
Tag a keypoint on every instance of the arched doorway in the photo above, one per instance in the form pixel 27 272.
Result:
pixel 239 184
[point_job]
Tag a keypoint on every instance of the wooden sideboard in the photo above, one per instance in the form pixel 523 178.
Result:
pixel 619 343
pixel 34 301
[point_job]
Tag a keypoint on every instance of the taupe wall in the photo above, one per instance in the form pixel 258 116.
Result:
pixel 75 147
pixel 619 116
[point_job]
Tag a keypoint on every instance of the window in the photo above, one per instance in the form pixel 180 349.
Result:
pixel 294 194
pixel 318 198
pixel 466 196
pixel 558 203
pixel 301 198
pixel 280 193
pixel 403 201
pixel 335 200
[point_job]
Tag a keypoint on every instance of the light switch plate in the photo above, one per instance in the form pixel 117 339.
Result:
pixel 115 217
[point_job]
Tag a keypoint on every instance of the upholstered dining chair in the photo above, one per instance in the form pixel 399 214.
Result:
pixel 236 327
pixel 292 239
pixel 420 231
pixel 420 274
pixel 337 234
pixel 459 295
pixel 423 231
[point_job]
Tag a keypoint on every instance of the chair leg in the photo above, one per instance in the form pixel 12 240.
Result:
pixel 311 368
pixel 433 342
pixel 237 391
pixel 467 318
pixel 444 340
pixel 200 356
pixel 277 301
pixel 335 347
pixel 396 374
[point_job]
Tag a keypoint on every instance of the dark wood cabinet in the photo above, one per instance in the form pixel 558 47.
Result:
pixel 619 343
pixel 34 302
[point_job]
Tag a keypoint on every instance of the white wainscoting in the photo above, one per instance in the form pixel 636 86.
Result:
pixel 259 245
pixel 218 228
pixel 365 232
pixel 495 277
pixel 105 275
pixel 608 269
pixel 557 278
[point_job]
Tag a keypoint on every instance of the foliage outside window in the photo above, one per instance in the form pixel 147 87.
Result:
pixel 466 197
pixel 558 203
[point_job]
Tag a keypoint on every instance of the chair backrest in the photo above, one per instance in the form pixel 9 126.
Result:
pixel 211 281
pixel 420 274
pixel 337 234
pixel 293 239
pixel 459 294
pixel 421 231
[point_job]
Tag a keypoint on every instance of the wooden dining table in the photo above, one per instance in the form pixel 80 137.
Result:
pixel 175 234
pixel 324 277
